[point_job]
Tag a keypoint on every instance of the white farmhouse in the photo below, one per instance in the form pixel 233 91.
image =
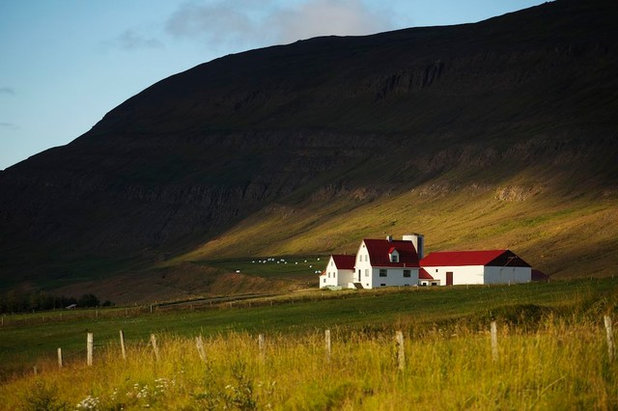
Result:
pixel 476 267
pixel 383 263
pixel 339 271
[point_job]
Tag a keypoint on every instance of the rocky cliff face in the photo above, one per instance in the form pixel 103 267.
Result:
pixel 197 152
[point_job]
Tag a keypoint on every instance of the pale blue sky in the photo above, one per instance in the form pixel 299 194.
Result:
pixel 65 63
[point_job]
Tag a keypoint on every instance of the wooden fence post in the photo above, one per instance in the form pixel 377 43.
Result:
pixel 36 372
pixel 59 357
pixel 401 355
pixel 153 341
pixel 261 345
pixel 122 347
pixel 199 344
pixel 89 348
pixel 494 341
pixel 327 344
pixel 610 337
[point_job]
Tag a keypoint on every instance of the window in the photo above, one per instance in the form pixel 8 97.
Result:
pixel 406 273
pixel 382 272
pixel 394 258
pixel 382 285
pixel 366 272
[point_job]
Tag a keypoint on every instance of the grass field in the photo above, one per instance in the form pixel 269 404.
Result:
pixel 28 340
pixel 560 365
pixel 552 352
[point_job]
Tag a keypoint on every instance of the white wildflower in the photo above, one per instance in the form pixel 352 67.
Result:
pixel 88 403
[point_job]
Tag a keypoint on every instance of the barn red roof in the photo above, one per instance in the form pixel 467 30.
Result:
pixel 424 275
pixel 344 262
pixel 498 258
pixel 379 251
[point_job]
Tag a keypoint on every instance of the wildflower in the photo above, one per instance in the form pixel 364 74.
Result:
pixel 88 403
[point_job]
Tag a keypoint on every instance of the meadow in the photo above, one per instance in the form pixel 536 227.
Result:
pixel 552 352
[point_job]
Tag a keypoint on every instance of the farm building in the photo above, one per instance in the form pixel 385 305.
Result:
pixel 339 271
pixel 388 262
pixel 378 263
pixel 477 267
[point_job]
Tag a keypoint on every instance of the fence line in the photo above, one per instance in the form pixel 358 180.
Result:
pixel 610 337
pixel 327 344
pixel 494 341
pixel 399 346
pixel 401 354
pixel 155 348
pixel 89 348
pixel 122 347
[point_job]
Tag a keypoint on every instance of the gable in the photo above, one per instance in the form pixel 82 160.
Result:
pixel 508 259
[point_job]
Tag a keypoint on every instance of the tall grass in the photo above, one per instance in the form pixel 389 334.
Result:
pixel 559 364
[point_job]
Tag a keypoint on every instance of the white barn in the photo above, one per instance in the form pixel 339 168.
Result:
pixel 339 272
pixel 476 267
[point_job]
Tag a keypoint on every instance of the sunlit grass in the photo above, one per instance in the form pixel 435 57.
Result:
pixel 561 364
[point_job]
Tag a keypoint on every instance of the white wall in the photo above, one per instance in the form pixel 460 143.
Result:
pixel 335 277
pixel 345 278
pixel 467 274
pixel 330 278
pixel 394 277
pixel 478 274
pixel 364 265
pixel 505 275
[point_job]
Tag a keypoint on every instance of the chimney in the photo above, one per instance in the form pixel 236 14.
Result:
pixel 389 238
pixel 418 240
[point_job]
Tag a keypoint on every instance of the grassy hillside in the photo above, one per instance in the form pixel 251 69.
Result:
pixel 561 230
pixel 500 134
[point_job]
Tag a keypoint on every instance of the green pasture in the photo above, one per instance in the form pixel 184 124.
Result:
pixel 286 267
pixel 23 343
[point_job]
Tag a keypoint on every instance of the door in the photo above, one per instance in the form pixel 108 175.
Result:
pixel 449 278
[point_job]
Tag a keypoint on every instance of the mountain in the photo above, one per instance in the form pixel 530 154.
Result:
pixel 495 134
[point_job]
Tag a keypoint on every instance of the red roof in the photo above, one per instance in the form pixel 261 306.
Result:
pixel 424 275
pixel 497 258
pixel 379 251
pixel 344 262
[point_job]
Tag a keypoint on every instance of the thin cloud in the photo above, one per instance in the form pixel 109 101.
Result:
pixel 219 24
pixel 131 40
pixel 7 90
pixel 8 126
pixel 327 17
pixel 240 24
